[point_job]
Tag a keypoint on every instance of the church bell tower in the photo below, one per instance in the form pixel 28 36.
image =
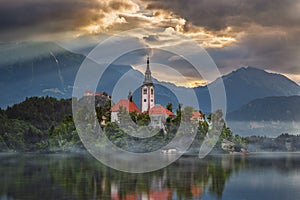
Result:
pixel 147 91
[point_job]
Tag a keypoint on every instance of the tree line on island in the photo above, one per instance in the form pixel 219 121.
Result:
pixel 46 124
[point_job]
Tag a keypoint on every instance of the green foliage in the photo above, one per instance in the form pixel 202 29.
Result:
pixel 143 119
pixel 170 107
pixel 219 132
pixel 124 116
pixel 203 128
pixel 41 112
pixel 187 113
pixel 226 133
pixel 121 137
pixel 283 142
pixel 18 135
pixel 3 145
pixel 177 119
pixel 46 124
pixel 103 106
pixel 37 124
pixel 64 136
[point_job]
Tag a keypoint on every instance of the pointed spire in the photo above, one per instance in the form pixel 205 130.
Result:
pixel 148 79
pixel 148 63
pixel 130 96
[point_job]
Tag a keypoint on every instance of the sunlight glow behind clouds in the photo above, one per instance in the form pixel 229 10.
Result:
pixel 259 33
pixel 115 16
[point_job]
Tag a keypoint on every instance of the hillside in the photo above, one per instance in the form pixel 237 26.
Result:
pixel 44 68
pixel 269 109
pixel 36 69
pixel 42 112
pixel 247 84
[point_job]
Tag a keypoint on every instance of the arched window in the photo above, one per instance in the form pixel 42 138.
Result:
pixel 152 91
pixel 145 91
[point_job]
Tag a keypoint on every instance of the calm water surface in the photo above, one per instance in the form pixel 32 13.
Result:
pixel 79 176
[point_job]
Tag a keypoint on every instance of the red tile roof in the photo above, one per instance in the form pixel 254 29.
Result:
pixel 196 115
pixel 159 110
pixel 98 94
pixel 125 103
pixel 88 92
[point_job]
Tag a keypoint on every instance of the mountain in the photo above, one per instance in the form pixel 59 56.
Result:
pixel 44 68
pixel 241 86
pixel 281 108
pixel 269 116
pixel 249 83
pixel 36 69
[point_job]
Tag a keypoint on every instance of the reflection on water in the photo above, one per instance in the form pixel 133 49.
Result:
pixel 70 176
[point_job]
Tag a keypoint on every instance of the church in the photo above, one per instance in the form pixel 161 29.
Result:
pixel 147 93
pixel 158 114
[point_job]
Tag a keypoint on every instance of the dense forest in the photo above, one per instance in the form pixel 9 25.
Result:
pixel 45 124
pixel 38 123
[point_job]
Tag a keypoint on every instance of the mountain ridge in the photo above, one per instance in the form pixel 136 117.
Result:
pixel 53 74
pixel 256 82
pixel 280 108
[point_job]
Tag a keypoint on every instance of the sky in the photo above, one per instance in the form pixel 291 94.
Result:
pixel 236 33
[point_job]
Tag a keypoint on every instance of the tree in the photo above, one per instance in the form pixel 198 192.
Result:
pixel 143 119
pixel 124 117
pixel 170 107
pixel 226 133
pixel 202 129
pixel 64 135
pixel 177 119
pixel 187 113
pixel 134 116
pixel 215 130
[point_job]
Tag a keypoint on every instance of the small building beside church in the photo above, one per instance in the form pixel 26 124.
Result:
pixel 158 116
pixel 197 116
pixel 128 104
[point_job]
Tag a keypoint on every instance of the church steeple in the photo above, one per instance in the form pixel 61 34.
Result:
pixel 147 90
pixel 148 79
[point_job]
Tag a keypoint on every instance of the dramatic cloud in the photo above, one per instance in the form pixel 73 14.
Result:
pixel 260 33
pixel 26 19
pixel 219 14
pixel 22 19
pixel 271 49
pixel 42 20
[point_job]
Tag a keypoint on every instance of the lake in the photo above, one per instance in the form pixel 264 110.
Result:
pixel 80 176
